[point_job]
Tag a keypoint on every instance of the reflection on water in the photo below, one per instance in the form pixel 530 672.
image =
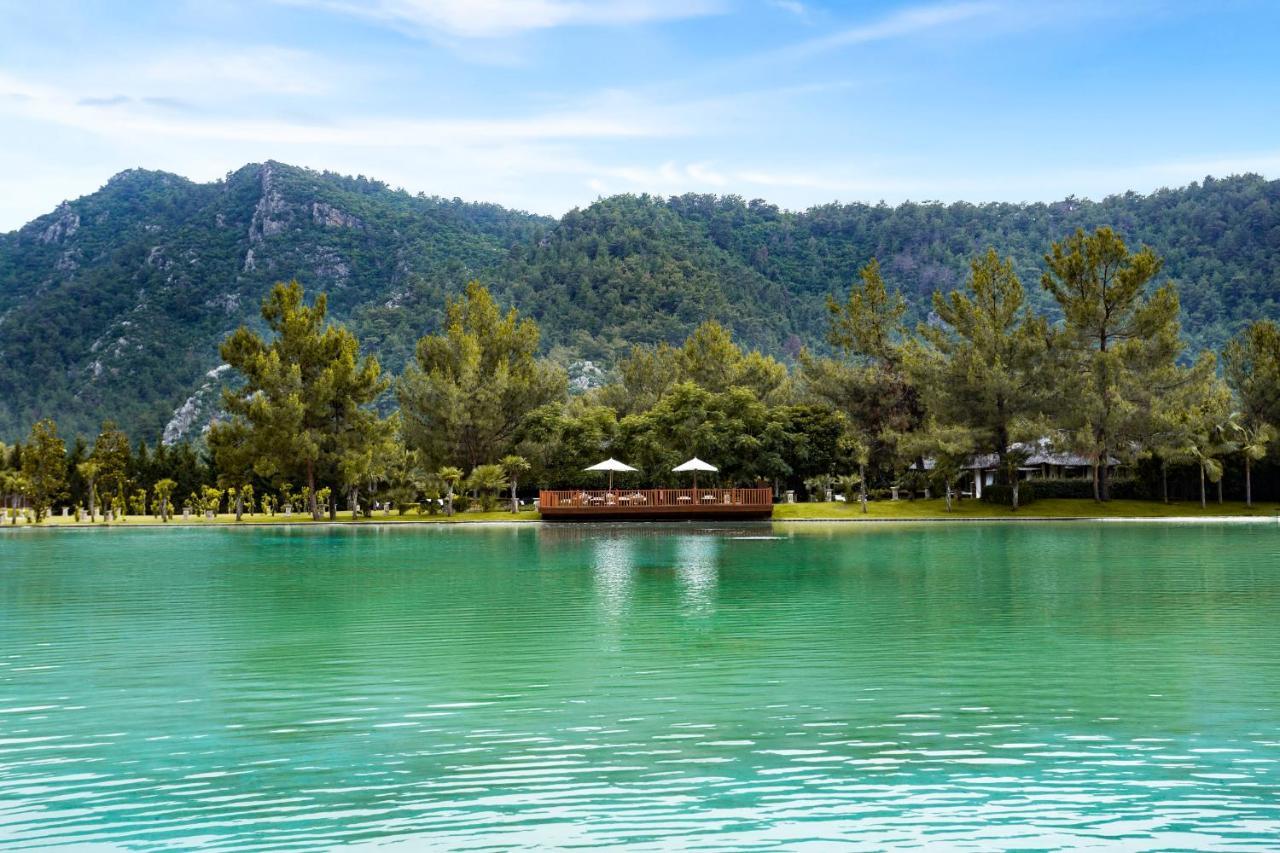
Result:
pixel 646 687
pixel 613 563
pixel 696 567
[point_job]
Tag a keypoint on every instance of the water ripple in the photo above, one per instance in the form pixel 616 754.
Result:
pixel 649 688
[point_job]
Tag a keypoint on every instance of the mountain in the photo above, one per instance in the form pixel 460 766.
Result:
pixel 114 304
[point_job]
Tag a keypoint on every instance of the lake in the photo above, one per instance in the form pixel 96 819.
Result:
pixel 877 686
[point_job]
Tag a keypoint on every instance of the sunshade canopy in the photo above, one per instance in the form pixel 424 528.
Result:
pixel 610 464
pixel 695 464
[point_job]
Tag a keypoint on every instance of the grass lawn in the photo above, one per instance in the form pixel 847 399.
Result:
pixel 279 518
pixel 1050 508
pixel 902 510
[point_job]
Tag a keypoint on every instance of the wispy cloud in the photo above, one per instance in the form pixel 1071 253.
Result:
pixel 251 69
pixel 900 24
pixel 795 7
pixel 495 18
pixel 126 116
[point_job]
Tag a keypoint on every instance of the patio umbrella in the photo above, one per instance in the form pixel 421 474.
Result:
pixel 695 465
pixel 610 465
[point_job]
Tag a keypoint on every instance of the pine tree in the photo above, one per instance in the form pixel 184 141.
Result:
pixel 1120 341
pixel 870 385
pixel 111 452
pixel 44 467
pixel 473 386
pixel 986 366
pixel 307 393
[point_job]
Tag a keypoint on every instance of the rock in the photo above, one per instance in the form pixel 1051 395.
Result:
pixel 203 401
pixel 331 217
pixel 271 214
pixel 66 224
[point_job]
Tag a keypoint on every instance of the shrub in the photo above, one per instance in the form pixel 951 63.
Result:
pixel 1127 488
pixel 461 503
pixel 1003 495
pixel 1121 488
pixel 1074 488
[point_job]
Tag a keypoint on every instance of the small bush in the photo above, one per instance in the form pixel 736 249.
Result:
pixel 1003 495
pixel 461 503
pixel 1127 488
pixel 1075 488
pixel 1121 488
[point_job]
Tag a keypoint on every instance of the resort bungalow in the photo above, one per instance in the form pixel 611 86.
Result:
pixel 1043 463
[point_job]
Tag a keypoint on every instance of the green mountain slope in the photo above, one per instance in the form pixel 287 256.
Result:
pixel 113 305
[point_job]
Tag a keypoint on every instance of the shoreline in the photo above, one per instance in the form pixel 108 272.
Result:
pixel 1001 519
pixel 500 522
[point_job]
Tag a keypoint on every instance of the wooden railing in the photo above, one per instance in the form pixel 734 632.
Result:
pixel 653 498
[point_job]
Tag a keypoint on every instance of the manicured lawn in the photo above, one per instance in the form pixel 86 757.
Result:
pixel 876 511
pixel 1051 508
pixel 343 517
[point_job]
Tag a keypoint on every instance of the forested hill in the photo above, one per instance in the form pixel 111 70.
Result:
pixel 113 305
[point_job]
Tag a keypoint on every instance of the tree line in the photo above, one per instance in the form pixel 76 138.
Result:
pixel 479 412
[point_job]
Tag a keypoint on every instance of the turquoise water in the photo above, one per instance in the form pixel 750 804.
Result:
pixel 1029 686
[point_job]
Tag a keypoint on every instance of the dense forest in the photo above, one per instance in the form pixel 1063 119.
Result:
pixel 1102 395
pixel 115 304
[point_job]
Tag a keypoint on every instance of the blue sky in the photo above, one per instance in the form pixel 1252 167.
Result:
pixel 547 104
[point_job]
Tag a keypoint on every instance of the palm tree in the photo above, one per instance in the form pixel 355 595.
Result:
pixel 89 472
pixel 163 489
pixel 488 480
pixel 451 476
pixel 1202 453
pixel 848 485
pixel 1253 443
pixel 1224 443
pixel 12 484
pixel 514 466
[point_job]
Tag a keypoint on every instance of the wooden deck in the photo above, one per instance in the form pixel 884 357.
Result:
pixel 655 504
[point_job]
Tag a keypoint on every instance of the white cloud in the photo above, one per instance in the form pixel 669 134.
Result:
pixel 260 70
pixel 495 18
pixel 123 116
pixel 795 7
pixel 905 22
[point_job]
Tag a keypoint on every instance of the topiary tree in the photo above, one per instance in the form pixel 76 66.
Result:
pixel 212 500
pixel 89 472
pixel 487 481
pixel 162 490
pixel 515 467
pixel 451 476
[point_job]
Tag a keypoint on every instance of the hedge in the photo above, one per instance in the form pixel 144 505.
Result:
pixel 1125 488
pixel 1000 494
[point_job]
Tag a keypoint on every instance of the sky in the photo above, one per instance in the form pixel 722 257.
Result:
pixel 545 105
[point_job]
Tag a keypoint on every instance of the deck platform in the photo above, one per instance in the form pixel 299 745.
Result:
pixel 656 504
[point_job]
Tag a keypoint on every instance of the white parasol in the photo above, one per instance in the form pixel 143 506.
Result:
pixel 610 465
pixel 695 465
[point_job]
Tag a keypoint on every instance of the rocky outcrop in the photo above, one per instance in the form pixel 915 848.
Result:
pixel 200 406
pixel 271 215
pixel 65 225
pixel 331 217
